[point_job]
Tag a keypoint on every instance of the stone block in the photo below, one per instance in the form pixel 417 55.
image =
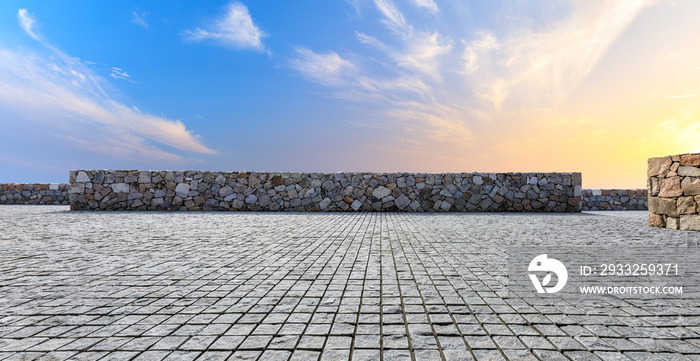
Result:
pixel 670 187
pixel 82 177
pixel 402 201
pixel 144 177
pixel 672 223
pixel 182 188
pixel 658 166
pixel 663 206
pixel 656 220
pixel 381 192
pixel 692 160
pixel 686 171
pixel 690 222
pixel 653 184
pixel 692 189
pixel 576 179
pixel 120 187
pixel 686 205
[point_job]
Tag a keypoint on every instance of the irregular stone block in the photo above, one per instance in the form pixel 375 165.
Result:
pixel 690 222
pixel 120 187
pixel 402 201
pixel 692 189
pixel 144 177
pixel 656 220
pixel 658 166
pixel 663 206
pixel 672 223
pixel 381 192
pixel 692 160
pixel 686 171
pixel 670 187
pixel 82 177
pixel 686 205
pixel 182 188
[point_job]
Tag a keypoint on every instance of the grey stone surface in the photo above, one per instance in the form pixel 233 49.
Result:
pixel 327 192
pixel 613 199
pixel 317 286
pixel 35 193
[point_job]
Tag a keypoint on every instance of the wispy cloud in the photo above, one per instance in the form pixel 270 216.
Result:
pixel 554 61
pixel 393 18
pixel 118 73
pixel 61 94
pixel 355 5
pixel 426 4
pixel 27 22
pixel 439 87
pixel 140 18
pixel 323 68
pixel 235 29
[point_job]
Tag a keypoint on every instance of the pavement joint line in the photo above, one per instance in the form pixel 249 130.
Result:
pixel 398 282
pixel 320 300
pixel 430 322
pixel 362 292
pixel 340 298
pixel 479 321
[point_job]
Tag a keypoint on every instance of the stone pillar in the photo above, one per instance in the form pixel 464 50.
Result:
pixel 673 184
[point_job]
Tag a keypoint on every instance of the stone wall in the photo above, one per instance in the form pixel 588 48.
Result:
pixel 674 192
pixel 261 191
pixel 34 193
pixel 614 199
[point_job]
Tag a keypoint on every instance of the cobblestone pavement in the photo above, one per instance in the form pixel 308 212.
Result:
pixel 356 286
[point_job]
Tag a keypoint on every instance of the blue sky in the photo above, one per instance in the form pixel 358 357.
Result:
pixel 354 85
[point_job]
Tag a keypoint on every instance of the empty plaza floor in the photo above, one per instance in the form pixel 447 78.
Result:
pixel 319 286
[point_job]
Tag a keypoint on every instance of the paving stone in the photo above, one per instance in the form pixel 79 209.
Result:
pixel 427 355
pixel 312 342
pixel 152 356
pixel 227 342
pixel 304 355
pixel 275 355
pixel 367 354
pixel 335 355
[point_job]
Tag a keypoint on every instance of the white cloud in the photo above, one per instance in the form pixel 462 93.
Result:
pixel 118 73
pixel 235 28
pixel 27 22
pixel 421 50
pixel 427 4
pixel 140 18
pixel 433 91
pixel 474 52
pixel 393 18
pixel 371 40
pixel 552 61
pixel 327 69
pixel 50 99
pixel 422 53
pixel 59 96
